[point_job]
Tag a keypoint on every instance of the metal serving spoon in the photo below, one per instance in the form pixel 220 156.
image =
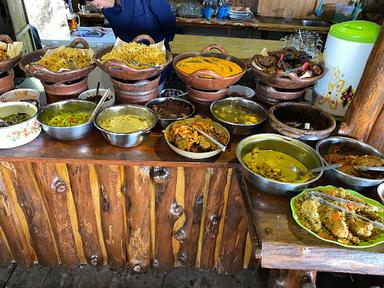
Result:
pixel 299 173
pixel 209 137
pixel 4 123
pixel 369 168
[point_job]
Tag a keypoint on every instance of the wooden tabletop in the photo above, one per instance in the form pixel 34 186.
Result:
pixel 238 47
pixel 285 245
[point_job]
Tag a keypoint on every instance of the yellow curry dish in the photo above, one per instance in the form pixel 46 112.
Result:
pixel 222 67
pixel 237 114
pixel 276 166
pixel 124 123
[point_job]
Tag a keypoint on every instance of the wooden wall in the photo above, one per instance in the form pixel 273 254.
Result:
pixel 135 216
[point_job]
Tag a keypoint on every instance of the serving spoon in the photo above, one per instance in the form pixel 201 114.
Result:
pixel 369 168
pixel 209 137
pixel 98 106
pixel 299 173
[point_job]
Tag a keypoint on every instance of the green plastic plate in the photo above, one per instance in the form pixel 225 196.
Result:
pixel 363 244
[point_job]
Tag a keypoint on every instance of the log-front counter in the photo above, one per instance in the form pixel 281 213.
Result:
pixel 87 201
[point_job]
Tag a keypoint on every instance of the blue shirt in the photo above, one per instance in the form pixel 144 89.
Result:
pixel 134 17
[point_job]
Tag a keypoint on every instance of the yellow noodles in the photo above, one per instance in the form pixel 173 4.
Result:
pixel 67 58
pixel 138 52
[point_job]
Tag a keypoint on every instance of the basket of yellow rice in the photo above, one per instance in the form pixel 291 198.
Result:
pixel 60 64
pixel 10 53
pixel 207 70
pixel 134 60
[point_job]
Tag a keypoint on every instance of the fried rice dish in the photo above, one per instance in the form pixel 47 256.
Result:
pixel 133 53
pixel 67 58
pixel 3 55
pixel 183 135
pixel 335 225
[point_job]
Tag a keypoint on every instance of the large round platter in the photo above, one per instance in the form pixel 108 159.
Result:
pixel 363 244
pixel 46 75
pixel 199 79
pixel 120 70
pixel 8 64
pixel 195 155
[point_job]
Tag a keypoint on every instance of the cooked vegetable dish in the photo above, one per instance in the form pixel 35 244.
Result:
pixel 332 224
pixel 275 165
pixel 172 109
pixel 14 119
pixel 184 136
pixel 278 62
pixel 237 114
pixel 224 68
pixel 67 58
pixel 130 53
pixel 124 123
pixel 348 161
pixel 67 119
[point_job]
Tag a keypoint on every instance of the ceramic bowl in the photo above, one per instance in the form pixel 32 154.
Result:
pixel 92 92
pixel 195 155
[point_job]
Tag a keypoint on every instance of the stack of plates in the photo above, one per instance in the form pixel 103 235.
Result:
pixel 240 13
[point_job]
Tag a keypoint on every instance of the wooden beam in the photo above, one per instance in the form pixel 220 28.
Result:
pixel 369 99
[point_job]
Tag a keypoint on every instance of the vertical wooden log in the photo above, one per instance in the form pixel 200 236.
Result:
pixel 12 220
pixel 231 249
pixel 138 198
pixel 5 253
pixel 32 203
pixel 195 181
pixel 178 232
pixel 167 212
pixel 369 99
pixel 214 206
pixel 112 214
pixel 82 194
pixel 54 190
pixel 376 137
pixel 247 251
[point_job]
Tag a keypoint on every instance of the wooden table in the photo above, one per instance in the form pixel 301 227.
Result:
pixel 283 244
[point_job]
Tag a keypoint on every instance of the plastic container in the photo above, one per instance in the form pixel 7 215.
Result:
pixel 346 52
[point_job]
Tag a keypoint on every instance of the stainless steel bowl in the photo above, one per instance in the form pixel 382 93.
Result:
pixel 165 122
pixel 66 133
pixel 236 128
pixel 295 148
pixel 126 139
pixel 348 146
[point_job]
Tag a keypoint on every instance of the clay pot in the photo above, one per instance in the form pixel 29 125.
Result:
pixel 68 90
pixel 284 116
pixel 47 75
pixel 6 81
pixel 278 94
pixel 10 63
pixel 285 81
pixel 118 69
pixel 199 80
pixel 136 91
pixel 205 96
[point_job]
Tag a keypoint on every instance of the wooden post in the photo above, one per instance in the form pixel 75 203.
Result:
pixel 369 99
pixel 376 137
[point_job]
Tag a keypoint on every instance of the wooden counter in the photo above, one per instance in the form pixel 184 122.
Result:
pixel 89 202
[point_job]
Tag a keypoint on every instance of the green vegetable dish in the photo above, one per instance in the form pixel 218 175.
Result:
pixel 14 119
pixel 67 119
pixel 343 226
